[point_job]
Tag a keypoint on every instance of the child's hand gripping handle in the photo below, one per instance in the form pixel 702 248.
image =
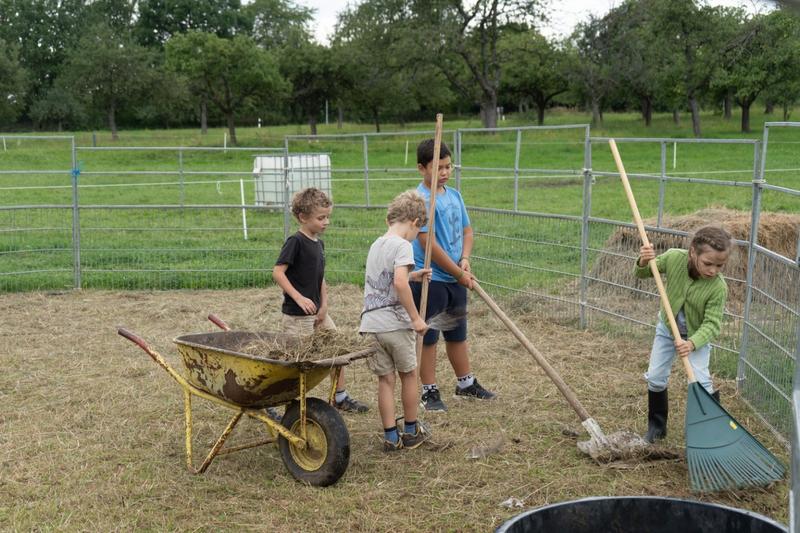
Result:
pixel 653 268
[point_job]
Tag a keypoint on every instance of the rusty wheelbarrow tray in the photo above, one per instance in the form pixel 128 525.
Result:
pixel 312 436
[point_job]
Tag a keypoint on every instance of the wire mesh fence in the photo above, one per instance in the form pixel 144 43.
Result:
pixel 545 204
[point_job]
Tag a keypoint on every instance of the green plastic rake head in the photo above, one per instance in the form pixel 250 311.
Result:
pixel 720 453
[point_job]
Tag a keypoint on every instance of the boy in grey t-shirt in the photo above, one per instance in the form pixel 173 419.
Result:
pixel 392 319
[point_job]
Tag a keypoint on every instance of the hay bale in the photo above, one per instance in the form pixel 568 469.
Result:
pixel 777 232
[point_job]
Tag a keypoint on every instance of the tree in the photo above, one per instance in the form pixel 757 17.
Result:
pixel 278 23
pixel 592 74
pixel 690 36
pixel 536 68
pixel 310 69
pixel 58 106
pixel 639 62
pixel 234 74
pixel 108 71
pixel 375 55
pixel 463 39
pixel 159 20
pixel 42 31
pixel 765 55
pixel 13 83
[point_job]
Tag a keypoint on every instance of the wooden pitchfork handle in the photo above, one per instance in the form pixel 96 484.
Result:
pixel 653 267
pixel 423 300
pixel 437 147
pixel 549 370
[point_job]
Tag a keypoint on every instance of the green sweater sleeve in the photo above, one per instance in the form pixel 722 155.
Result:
pixel 712 319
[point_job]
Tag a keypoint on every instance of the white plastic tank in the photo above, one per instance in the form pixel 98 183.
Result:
pixel 305 170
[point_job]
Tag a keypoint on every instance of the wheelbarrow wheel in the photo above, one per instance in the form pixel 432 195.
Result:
pixel 324 460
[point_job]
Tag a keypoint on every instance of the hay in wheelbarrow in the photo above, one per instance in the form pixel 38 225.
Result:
pixel 322 344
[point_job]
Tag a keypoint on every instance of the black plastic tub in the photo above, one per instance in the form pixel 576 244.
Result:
pixel 639 514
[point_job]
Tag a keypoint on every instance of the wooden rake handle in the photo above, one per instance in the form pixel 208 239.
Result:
pixel 549 370
pixel 653 267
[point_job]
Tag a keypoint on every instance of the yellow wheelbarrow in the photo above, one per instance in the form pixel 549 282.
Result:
pixel 312 437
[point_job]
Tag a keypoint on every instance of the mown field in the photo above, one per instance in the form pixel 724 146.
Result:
pixel 92 430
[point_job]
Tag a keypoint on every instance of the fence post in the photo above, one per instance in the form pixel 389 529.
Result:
pixel 516 171
pixel 587 212
pixel 758 181
pixel 662 186
pixel 366 169
pixel 458 160
pixel 286 188
pixel 180 173
pixel 76 221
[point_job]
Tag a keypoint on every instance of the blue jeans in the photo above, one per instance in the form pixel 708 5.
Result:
pixel 662 356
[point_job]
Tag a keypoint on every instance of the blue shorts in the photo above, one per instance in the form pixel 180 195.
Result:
pixel 443 296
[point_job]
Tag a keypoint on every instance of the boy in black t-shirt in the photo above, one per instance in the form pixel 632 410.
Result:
pixel 300 272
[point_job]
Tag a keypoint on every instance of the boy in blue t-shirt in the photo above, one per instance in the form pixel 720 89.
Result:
pixel 452 276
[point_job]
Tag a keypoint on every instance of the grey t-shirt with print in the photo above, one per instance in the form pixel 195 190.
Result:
pixel 382 308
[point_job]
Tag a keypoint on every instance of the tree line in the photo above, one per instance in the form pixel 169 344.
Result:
pixel 164 63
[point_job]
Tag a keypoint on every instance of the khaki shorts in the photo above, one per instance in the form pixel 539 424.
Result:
pixel 397 350
pixel 304 325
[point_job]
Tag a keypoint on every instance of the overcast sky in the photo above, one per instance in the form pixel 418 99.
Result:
pixel 564 14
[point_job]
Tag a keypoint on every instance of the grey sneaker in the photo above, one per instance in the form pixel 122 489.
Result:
pixel 432 401
pixel 351 405
pixel 389 446
pixel 414 441
pixel 475 391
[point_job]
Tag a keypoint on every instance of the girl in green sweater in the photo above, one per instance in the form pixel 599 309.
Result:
pixel 696 291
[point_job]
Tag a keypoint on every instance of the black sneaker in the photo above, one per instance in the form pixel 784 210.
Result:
pixel 432 401
pixel 273 414
pixel 475 391
pixel 351 405
pixel 413 441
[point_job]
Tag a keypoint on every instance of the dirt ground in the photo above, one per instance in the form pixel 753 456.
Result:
pixel 91 430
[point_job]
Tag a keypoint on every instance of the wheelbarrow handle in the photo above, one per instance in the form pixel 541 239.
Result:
pixel 134 338
pixel 219 322
pixel 154 355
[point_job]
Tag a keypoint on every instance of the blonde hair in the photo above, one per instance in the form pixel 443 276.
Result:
pixel 407 207
pixel 307 200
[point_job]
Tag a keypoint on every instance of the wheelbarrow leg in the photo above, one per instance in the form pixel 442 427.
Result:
pixel 335 374
pixel 220 441
pixel 303 430
pixel 187 409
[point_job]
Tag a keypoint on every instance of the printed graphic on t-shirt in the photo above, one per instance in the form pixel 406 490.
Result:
pixel 379 297
pixel 382 297
pixel 454 223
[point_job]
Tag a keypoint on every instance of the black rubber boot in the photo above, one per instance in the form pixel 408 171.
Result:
pixel 715 395
pixel 657 412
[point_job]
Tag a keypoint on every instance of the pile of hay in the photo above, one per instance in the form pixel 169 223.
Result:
pixel 323 344
pixel 777 232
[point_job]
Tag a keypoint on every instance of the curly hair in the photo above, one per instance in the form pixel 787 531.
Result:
pixel 715 237
pixel 407 206
pixel 306 201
